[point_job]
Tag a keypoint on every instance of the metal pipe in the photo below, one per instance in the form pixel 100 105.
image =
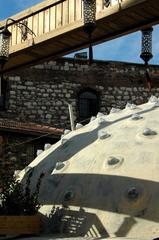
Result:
pixel 71 117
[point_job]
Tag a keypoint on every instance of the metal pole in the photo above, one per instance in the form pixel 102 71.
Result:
pixel 71 116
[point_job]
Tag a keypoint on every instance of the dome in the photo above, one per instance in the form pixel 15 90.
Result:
pixel 103 178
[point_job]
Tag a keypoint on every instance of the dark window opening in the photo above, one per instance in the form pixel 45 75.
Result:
pixel 2 103
pixel 88 105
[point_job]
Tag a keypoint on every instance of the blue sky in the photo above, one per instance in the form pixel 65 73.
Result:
pixel 126 48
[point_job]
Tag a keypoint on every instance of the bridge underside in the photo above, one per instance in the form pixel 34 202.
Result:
pixel 116 21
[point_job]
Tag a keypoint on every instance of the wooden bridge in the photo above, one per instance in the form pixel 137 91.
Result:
pixel 58 25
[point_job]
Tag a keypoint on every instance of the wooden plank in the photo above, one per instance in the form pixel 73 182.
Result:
pixel 99 5
pixel 137 16
pixel 78 37
pixel 19 36
pixel 30 25
pixel 19 225
pixel 78 10
pixel 10 29
pixel 41 23
pixel 127 19
pixel 47 21
pixel 52 18
pixel 68 42
pixel 147 12
pixel 35 24
pixel 82 9
pixel 58 15
pixel 14 35
pixel 71 11
pixel 33 54
pixel 141 14
pixel 65 14
pixel 114 2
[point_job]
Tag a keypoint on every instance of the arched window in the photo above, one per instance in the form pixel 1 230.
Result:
pixel 88 104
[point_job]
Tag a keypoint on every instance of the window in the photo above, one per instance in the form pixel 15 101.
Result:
pixel 88 104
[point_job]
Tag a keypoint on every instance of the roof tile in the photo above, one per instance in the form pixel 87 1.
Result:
pixel 28 127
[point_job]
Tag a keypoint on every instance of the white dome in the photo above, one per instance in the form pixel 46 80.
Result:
pixel 108 184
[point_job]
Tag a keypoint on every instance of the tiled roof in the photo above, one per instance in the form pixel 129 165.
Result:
pixel 28 127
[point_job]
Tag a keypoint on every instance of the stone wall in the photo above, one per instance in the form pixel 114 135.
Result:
pixel 17 150
pixel 40 93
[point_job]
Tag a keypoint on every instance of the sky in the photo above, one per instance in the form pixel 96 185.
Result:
pixel 125 48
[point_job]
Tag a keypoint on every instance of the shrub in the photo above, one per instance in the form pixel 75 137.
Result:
pixel 15 199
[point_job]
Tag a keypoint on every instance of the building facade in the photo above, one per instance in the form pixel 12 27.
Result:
pixel 20 142
pixel 41 93
pixel 36 101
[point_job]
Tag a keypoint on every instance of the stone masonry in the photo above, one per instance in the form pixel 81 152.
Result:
pixel 40 93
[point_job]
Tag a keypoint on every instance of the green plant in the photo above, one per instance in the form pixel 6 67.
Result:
pixel 15 199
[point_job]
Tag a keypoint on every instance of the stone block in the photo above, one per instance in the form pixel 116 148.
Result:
pixel 58 103
pixel 110 88
pixel 135 89
pixel 34 104
pixel 31 88
pixel 119 97
pixel 39 66
pixel 45 95
pixel 126 98
pixel 40 111
pixel 29 83
pixel 31 116
pixel 57 91
pixel 103 109
pixel 60 95
pixel 101 88
pixel 11 78
pixel 48 103
pixel 13 86
pixel 26 104
pixel 12 92
pixel 42 90
pixel 123 88
pixel 33 111
pixel 133 98
pixel 126 93
pixel 63 117
pixel 13 106
pixel 48 116
pixel 129 89
pixel 55 67
pixel 68 95
pixel 17 78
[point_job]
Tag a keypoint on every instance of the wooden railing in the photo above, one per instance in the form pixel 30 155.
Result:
pixel 58 26
pixel 50 15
